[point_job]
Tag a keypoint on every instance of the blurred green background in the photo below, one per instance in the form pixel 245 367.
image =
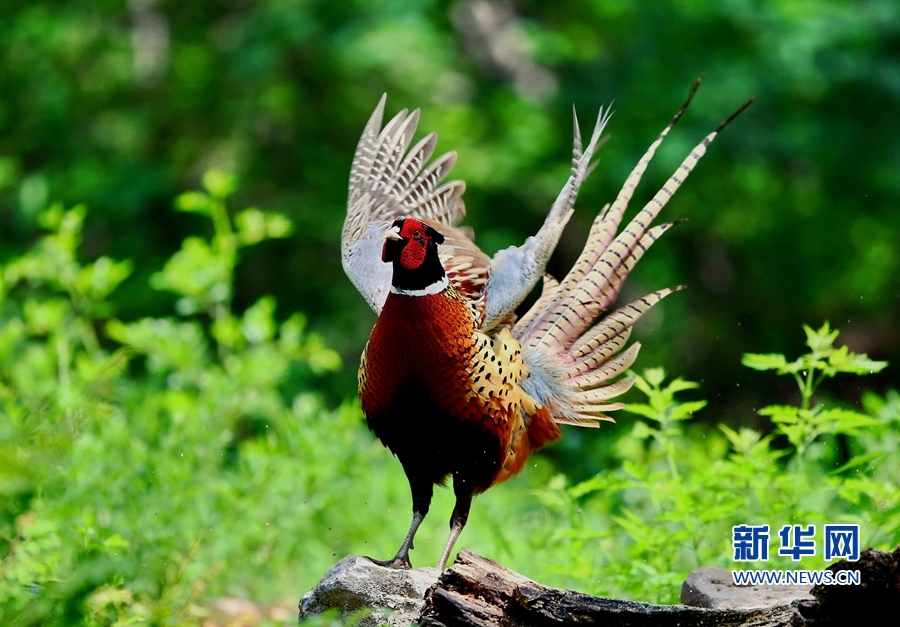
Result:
pixel 793 215
pixel 122 106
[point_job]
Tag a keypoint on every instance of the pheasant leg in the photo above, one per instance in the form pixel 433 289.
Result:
pixel 421 497
pixel 458 519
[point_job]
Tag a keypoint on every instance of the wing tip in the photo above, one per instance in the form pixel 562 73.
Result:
pixel 377 115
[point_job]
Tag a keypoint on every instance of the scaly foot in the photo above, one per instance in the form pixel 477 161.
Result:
pixel 398 563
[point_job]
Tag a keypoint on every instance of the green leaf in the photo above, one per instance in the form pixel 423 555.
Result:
pixel 116 541
pixel 844 421
pixel 251 226
pixel 655 376
pixel 254 226
pixel 742 440
pixel 45 317
pixel 278 225
pixel 642 409
pixel 641 384
pixel 194 202
pixel 219 184
pixel 168 344
pixel 227 331
pixel 686 410
pixel 771 361
pixel 885 409
pixel 320 358
pixel 641 430
pixel 679 385
pixel 103 276
pixel 51 217
pixel 290 335
pixel 258 323
pixel 842 360
pixel 795 433
pixel 782 413
pixel 821 339
pixel 196 271
pixel 596 483
pixel 861 460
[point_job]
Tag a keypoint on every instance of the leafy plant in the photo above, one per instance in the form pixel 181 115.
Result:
pixel 202 272
pixel 637 530
pixel 802 425
pixel 149 466
pixel 663 409
pixel 132 476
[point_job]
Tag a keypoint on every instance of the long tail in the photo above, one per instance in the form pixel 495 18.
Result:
pixel 574 368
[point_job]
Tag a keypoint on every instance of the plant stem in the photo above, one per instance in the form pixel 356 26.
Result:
pixel 808 388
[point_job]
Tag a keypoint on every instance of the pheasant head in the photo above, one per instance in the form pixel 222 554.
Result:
pixel 412 247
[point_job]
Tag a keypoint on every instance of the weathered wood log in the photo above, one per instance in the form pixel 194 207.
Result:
pixel 478 592
pixel 878 591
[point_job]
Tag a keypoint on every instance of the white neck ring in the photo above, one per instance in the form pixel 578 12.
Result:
pixel 435 288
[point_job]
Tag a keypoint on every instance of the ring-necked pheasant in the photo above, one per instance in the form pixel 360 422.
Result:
pixel 450 381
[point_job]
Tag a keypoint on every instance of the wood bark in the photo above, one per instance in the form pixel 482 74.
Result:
pixel 478 592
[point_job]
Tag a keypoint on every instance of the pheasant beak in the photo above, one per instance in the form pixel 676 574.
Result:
pixel 393 233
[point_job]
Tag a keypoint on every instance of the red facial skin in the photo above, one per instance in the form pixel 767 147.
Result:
pixel 417 240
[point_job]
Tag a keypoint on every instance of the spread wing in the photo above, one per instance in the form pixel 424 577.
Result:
pixel 388 179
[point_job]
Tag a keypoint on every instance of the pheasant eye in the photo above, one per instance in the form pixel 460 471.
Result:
pixel 417 234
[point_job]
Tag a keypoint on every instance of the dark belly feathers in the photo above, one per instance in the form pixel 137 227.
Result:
pixel 432 444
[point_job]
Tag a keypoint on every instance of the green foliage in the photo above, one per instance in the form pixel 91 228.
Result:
pixel 150 466
pixel 664 410
pixel 803 425
pixel 119 104
pixel 203 272
pixel 131 477
pixel 637 530
pixel 823 361
pixel 122 104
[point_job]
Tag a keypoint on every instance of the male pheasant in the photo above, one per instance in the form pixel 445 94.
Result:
pixel 450 380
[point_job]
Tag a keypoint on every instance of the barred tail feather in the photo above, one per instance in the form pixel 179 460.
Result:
pixel 548 291
pixel 575 369
pixel 616 323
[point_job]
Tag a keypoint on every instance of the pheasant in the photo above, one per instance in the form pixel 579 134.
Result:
pixel 451 381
